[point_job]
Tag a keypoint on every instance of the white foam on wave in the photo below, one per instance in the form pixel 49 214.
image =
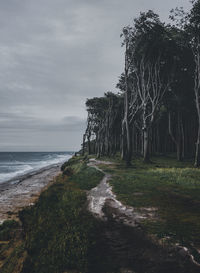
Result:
pixel 21 167
pixel 59 159
pixel 7 176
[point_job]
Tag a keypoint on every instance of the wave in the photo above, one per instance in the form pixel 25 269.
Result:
pixel 12 169
pixel 8 176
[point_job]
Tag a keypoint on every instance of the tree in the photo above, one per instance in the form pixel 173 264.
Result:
pixel 190 24
pixel 153 111
pixel 148 68
pixel 126 152
pixel 193 29
pixel 104 122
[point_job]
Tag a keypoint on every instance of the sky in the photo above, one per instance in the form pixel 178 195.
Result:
pixel 54 54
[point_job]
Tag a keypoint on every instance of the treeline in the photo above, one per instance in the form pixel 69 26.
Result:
pixel 157 108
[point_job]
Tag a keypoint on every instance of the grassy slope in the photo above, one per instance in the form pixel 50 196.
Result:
pixel 170 186
pixel 59 234
pixel 12 251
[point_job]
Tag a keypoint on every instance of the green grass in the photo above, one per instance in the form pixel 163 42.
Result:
pixel 12 262
pixel 170 186
pixel 59 233
pixel 86 178
pixel 11 247
pixel 8 230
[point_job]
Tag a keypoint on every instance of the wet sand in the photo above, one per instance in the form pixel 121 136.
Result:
pixel 24 191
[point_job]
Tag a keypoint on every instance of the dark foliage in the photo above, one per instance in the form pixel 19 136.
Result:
pixel 158 108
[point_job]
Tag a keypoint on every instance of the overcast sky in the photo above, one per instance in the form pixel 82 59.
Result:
pixel 53 55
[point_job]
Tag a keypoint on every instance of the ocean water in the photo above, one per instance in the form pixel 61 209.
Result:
pixel 15 164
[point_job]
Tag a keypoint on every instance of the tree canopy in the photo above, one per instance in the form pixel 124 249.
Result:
pixel 157 109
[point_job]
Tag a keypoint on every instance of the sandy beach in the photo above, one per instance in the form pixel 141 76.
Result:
pixel 24 191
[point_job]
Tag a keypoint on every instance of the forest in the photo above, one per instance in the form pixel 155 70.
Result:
pixel 157 107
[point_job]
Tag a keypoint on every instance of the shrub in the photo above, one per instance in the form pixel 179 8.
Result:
pixel 7 229
pixel 68 171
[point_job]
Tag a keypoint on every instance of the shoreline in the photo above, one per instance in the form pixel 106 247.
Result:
pixel 115 229
pixel 24 190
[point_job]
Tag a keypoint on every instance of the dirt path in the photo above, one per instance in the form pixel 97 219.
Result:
pixel 102 196
pixel 122 244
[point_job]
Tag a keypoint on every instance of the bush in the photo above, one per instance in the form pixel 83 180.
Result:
pixel 64 166
pixel 68 171
pixel 7 230
pixel 72 161
pixel 86 177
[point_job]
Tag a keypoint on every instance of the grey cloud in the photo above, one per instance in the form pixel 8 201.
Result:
pixel 54 55
pixel 16 122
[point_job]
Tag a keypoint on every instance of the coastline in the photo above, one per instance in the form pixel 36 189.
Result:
pixel 61 218
pixel 24 190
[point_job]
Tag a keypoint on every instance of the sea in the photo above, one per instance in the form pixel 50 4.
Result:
pixel 17 164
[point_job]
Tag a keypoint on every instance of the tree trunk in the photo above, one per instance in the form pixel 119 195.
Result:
pixel 125 123
pixel 89 146
pixel 182 139
pixel 128 140
pixel 197 154
pixel 142 144
pixel 88 142
pixel 146 145
pixel 197 93
pixel 83 145
pixel 98 145
pixel 123 141
pixel 178 140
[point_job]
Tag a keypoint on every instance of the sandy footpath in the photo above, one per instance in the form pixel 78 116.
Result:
pixel 15 195
pixel 102 196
